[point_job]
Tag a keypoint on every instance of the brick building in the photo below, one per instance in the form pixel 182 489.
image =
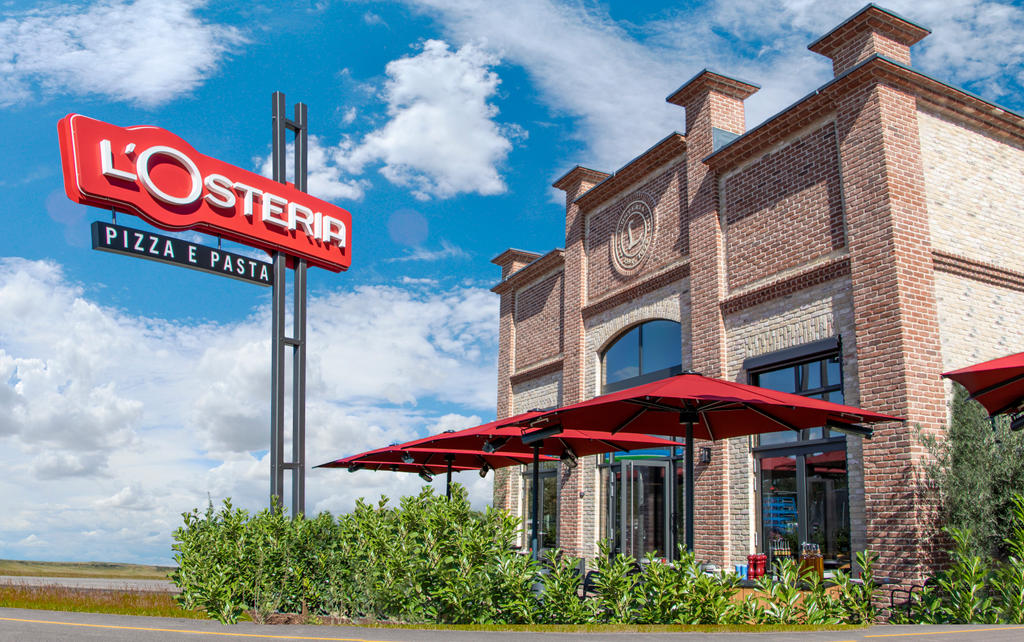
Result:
pixel 851 247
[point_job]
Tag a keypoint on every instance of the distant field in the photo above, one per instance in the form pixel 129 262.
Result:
pixel 84 569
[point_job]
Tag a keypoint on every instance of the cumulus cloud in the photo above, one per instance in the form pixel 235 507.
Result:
pixel 326 177
pixel 112 424
pixel 441 138
pixel 612 76
pixel 145 52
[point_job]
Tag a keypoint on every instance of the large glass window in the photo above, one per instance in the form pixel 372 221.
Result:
pixel 802 478
pixel 647 352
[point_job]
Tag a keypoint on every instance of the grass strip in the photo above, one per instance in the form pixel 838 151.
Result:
pixel 85 600
pixel 22 568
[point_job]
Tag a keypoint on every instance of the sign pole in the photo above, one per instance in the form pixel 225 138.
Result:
pixel 279 339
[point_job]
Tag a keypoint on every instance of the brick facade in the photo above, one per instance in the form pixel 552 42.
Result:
pixel 881 211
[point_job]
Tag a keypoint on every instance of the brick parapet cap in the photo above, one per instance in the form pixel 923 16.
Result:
pixel 708 81
pixel 664 150
pixel 870 18
pixel 579 174
pixel 553 259
pixel 508 259
pixel 823 100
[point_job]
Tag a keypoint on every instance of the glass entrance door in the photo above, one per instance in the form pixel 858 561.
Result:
pixel 638 500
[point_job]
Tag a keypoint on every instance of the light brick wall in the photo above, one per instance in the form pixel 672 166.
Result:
pixel 792 192
pixel 542 392
pixel 974 187
pixel 977 321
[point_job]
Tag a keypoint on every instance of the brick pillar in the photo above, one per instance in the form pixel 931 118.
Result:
pixel 712 102
pixel 897 337
pixel 510 261
pixel 577 523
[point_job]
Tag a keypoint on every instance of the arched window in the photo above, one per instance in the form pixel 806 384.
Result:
pixel 647 352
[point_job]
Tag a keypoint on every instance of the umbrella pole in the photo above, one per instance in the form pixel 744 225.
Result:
pixel 689 486
pixel 535 540
pixel 448 486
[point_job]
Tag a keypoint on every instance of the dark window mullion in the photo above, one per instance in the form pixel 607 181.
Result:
pixel 640 350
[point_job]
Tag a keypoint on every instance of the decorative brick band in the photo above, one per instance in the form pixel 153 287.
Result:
pixel 637 290
pixel 548 367
pixel 816 275
pixel 978 270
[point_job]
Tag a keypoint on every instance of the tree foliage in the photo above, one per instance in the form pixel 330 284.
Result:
pixel 977 468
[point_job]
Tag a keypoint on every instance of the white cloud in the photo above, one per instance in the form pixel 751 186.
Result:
pixel 113 424
pixel 613 76
pixel 447 251
pixel 441 139
pixel 146 52
pixel 324 172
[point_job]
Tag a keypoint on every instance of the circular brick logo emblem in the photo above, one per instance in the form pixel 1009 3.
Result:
pixel 633 235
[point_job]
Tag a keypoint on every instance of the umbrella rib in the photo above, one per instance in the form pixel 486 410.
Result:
pixel 707 425
pixel 616 446
pixel 767 415
pixel 994 387
pixel 652 405
pixel 623 425
pixel 720 405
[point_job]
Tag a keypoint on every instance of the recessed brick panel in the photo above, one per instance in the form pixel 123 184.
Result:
pixel 538 321
pixel 790 194
pixel 662 194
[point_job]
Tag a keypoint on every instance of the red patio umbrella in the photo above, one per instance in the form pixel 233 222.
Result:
pixel 998 385
pixel 567 445
pixel 699 406
pixel 428 461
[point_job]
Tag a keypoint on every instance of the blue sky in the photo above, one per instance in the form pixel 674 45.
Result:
pixel 131 391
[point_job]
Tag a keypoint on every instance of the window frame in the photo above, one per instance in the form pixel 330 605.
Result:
pixel 817 351
pixel 643 377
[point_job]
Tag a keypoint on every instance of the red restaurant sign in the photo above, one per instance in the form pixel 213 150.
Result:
pixel 150 172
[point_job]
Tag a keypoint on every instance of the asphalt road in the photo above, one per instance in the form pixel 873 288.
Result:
pixel 23 624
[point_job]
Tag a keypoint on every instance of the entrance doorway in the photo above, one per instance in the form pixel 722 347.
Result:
pixel 639 497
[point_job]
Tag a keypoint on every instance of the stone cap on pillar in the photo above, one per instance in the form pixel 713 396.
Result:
pixel 578 175
pixel 869 32
pixel 710 81
pixel 512 260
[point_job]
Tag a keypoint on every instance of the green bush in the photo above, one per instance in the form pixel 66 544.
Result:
pixel 431 559
pixel 975 589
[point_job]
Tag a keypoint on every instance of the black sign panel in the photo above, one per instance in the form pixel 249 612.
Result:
pixel 167 249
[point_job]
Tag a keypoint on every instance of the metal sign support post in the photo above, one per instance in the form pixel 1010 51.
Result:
pixel 279 339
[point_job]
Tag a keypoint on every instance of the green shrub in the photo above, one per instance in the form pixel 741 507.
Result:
pixel 1008 580
pixel 971 590
pixel 560 601
pixel 614 585
pixel 856 599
